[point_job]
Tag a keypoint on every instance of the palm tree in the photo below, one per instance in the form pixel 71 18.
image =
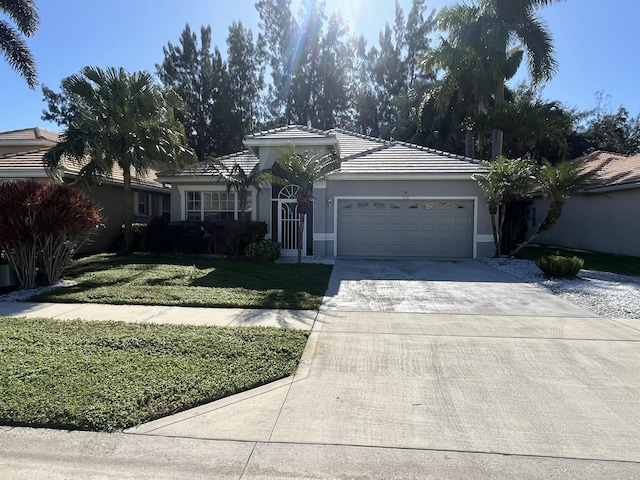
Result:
pixel 535 127
pixel 121 119
pixel 24 15
pixel 557 182
pixel 504 180
pixel 303 170
pixel 493 28
pixel 240 181
pixel 465 86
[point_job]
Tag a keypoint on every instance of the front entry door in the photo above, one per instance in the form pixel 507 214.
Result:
pixel 288 221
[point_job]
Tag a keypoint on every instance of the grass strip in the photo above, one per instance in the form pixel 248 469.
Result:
pixel 108 376
pixel 195 281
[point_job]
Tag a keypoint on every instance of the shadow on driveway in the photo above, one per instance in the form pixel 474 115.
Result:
pixel 456 286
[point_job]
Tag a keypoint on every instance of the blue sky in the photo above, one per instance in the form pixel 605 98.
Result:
pixel 596 44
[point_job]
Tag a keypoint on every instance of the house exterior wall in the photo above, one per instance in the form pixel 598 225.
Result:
pixel 325 206
pixel 604 222
pixel 111 199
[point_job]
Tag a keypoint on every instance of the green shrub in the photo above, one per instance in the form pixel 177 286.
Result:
pixel 264 250
pixel 138 237
pixel 557 266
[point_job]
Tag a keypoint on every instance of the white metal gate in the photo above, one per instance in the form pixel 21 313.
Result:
pixel 288 221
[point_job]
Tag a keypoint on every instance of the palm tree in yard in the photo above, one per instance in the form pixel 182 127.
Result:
pixel 557 182
pixel 495 30
pixel 503 181
pixel 302 170
pixel 238 180
pixel 122 120
pixel 23 13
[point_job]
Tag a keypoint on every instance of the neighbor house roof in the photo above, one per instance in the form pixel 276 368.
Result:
pixel 611 170
pixel 35 137
pixel 29 165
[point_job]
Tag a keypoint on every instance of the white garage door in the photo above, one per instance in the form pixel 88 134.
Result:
pixel 405 228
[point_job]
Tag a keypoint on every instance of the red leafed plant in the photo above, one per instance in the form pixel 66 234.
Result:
pixel 42 226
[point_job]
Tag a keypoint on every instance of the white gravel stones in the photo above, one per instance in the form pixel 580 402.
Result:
pixel 21 295
pixel 607 294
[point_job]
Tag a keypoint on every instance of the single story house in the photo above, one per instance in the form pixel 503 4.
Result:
pixel 603 217
pixel 21 153
pixel 385 199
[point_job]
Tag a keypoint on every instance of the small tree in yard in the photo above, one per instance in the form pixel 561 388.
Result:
pixel 303 170
pixel 42 226
pixel 557 182
pixel 238 180
pixel 504 180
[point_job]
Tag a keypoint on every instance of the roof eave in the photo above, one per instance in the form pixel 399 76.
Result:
pixel 400 176
pixel 610 188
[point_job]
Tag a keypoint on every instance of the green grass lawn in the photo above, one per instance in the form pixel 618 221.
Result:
pixel 605 262
pixel 194 281
pixel 107 376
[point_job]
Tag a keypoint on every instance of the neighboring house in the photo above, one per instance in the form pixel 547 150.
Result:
pixel 21 153
pixel 386 198
pixel 605 216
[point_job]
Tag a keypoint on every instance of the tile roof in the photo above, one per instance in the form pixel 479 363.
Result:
pixel 353 143
pixel 29 165
pixel 398 157
pixel 611 169
pixel 360 155
pixel 27 134
pixel 246 159
pixel 291 132
pixel 18 163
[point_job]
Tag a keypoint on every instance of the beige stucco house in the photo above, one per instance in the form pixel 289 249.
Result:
pixel 605 216
pixel 21 153
pixel 386 199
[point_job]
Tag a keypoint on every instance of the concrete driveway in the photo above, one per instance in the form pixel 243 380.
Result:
pixel 458 286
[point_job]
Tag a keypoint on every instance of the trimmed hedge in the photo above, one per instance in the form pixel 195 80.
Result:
pixel 268 250
pixel 191 237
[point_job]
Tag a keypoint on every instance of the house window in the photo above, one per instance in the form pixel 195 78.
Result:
pixel 211 206
pixel 143 204
pixel 165 203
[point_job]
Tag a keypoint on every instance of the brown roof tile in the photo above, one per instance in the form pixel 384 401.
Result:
pixel 29 165
pixel 611 169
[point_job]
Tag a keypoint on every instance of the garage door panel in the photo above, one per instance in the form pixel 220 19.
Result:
pixel 430 228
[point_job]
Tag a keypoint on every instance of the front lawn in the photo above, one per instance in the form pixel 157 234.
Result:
pixel 193 281
pixel 604 262
pixel 107 376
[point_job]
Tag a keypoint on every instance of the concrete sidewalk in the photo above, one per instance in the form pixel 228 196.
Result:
pixel 222 317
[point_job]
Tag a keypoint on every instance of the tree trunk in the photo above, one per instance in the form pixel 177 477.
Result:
pixel 497 135
pixel 300 236
pixel 550 219
pixel 128 213
pixel 468 144
pixel 496 238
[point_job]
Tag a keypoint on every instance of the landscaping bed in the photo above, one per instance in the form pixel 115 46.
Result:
pixel 108 376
